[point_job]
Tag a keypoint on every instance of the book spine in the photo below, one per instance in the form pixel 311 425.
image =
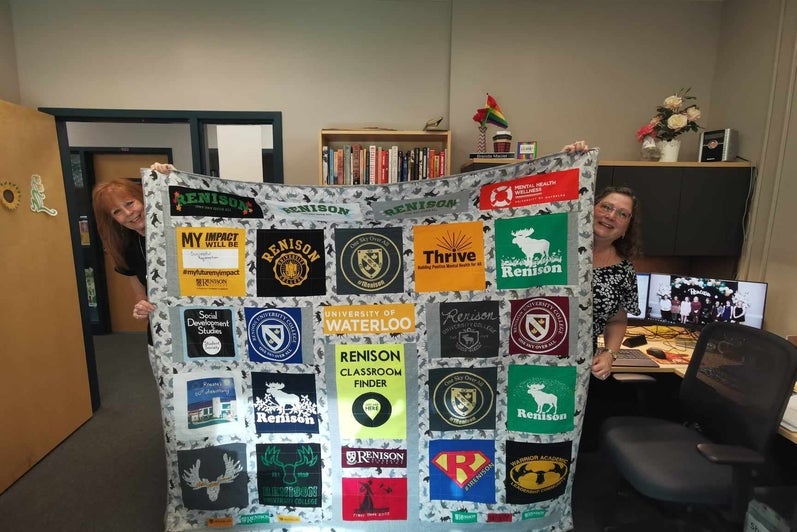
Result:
pixel 443 158
pixel 339 166
pixel 393 164
pixel 363 164
pixel 325 165
pixel 355 164
pixel 372 165
pixel 331 164
pixel 347 164
pixel 385 162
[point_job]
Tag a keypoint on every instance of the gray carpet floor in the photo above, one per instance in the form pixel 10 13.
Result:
pixel 110 474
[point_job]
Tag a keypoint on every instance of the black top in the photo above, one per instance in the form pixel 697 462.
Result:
pixel 136 258
pixel 613 288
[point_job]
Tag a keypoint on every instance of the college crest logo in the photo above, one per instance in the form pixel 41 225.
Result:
pixel 369 261
pixel 462 399
pixel 468 340
pixel 469 329
pixel 539 326
pixel 274 335
pixel 290 263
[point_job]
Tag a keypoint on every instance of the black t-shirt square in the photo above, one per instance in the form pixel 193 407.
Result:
pixel 290 263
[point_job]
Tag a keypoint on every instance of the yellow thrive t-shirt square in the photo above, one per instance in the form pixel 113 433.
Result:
pixel 449 257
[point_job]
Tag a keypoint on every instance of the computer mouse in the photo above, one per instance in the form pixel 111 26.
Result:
pixel 656 352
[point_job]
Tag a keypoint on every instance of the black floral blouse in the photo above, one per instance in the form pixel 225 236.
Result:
pixel 613 288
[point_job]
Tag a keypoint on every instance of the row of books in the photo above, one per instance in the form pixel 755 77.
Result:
pixel 355 164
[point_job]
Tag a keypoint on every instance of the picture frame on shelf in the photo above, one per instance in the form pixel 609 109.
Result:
pixel 526 149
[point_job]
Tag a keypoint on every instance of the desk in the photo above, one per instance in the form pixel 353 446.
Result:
pixel 677 369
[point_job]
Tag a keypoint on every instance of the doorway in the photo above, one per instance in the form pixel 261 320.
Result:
pixel 109 297
pixel 196 160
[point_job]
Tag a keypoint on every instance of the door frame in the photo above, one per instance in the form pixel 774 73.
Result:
pixel 196 121
pixel 86 155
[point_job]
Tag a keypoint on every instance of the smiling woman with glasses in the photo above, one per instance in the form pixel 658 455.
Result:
pixel 614 293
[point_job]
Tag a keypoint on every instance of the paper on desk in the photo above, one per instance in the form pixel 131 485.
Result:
pixel 790 416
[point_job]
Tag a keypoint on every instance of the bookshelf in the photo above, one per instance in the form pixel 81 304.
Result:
pixel 338 139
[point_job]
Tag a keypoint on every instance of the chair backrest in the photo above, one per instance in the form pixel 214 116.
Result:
pixel 738 383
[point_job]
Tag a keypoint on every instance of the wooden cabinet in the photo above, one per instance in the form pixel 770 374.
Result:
pixel 439 141
pixel 686 209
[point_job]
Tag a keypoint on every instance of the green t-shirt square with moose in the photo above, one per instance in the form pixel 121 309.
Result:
pixel 541 399
pixel 531 251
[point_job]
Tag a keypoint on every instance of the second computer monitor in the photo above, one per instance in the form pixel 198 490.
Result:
pixel 642 283
pixel 693 302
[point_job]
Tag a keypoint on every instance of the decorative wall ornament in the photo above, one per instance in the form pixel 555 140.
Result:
pixel 9 195
pixel 37 196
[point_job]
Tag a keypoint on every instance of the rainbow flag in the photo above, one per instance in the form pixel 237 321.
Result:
pixel 494 114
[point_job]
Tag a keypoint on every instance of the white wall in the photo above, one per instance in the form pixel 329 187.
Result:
pixel 755 94
pixel 117 135
pixel 580 69
pixel 323 64
pixel 600 68
pixel 9 82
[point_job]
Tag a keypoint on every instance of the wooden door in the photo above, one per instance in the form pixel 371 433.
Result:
pixel 107 167
pixel 45 392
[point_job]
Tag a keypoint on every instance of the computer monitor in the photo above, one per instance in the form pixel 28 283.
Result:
pixel 707 300
pixel 642 284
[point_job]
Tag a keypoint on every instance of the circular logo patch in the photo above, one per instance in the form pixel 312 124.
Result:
pixel 371 409
pixel 370 261
pixel 273 335
pixel 539 326
pixel 211 345
pixel 501 196
pixel 463 398
pixel 291 269
pixel 535 476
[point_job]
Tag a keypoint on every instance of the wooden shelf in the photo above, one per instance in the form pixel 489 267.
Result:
pixel 691 164
pixel 337 138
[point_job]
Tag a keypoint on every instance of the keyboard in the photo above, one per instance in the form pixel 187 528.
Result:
pixel 634 358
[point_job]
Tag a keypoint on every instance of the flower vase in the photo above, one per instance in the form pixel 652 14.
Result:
pixel 481 146
pixel 668 150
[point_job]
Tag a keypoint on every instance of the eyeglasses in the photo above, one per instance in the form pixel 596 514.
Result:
pixel 608 208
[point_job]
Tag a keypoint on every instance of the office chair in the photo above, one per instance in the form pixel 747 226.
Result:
pixel 734 394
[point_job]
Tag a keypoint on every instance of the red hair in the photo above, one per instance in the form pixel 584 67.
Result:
pixel 104 198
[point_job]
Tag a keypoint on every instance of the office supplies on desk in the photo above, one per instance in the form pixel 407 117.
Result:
pixel 635 341
pixel 633 358
pixel 656 352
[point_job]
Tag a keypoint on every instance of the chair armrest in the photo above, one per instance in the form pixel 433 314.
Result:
pixel 730 454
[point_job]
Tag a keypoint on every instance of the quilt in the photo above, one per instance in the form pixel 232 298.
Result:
pixel 393 357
